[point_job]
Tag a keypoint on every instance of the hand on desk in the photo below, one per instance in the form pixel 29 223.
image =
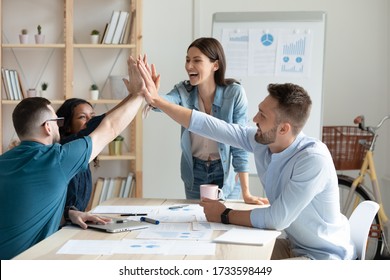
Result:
pixel 79 218
pixel 212 209
pixel 251 199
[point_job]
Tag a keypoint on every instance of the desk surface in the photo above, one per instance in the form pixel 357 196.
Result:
pixel 46 249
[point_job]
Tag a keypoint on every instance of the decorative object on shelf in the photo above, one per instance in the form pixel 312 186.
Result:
pixel 118 87
pixel 115 146
pixel 94 90
pixel 39 38
pixel 95 36
pixel 44 87
pixel 23 37
pixel 31 92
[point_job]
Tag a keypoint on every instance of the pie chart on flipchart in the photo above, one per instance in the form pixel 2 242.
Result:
pixel 267 39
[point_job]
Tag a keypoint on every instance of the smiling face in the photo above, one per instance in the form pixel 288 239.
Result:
pixel 199 67
pixel 266 121
pixel 81 115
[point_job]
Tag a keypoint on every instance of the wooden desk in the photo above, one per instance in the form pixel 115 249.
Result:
pixel 46 249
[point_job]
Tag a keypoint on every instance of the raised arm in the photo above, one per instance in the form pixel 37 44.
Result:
pixel 178 113
pixel 119 118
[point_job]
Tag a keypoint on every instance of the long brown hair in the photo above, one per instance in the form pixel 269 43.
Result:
pixel 213 49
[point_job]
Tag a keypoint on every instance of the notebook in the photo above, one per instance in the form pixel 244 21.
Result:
pixel 248 236
pixel 118 225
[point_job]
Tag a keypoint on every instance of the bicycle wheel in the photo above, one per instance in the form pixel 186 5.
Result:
pixel 374 241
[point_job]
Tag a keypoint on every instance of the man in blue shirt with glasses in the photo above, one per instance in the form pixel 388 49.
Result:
pixel 35 174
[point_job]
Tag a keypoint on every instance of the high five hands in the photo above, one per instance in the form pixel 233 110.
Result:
pixel 144 79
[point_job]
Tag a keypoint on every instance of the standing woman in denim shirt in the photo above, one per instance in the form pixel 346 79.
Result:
pixel 205 161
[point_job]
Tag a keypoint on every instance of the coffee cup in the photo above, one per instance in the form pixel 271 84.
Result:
pixel 211 191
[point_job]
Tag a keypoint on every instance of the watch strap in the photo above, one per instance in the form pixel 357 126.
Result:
pixel 225 217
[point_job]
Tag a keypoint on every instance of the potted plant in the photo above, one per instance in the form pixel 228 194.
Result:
pixel 23 37
pixel 95 36
pixel 94 90
pixel 115 146
pixel 44 87
pixel 39 37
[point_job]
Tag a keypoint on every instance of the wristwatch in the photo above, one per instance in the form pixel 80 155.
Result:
pixel 66 212
pixel 225 217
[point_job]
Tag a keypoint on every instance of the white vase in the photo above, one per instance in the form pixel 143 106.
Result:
pixel 31 93
pixel 23 38
pixel 94 94
pixel 94 39
pixel 39 38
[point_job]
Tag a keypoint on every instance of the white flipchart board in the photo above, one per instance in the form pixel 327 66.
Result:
pixel 274 47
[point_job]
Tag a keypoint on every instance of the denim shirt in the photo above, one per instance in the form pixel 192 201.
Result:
pixel 301 185
pixel 230 104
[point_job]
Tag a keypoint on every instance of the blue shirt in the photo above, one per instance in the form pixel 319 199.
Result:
pixel 231 105
pixel 33 184
pixel 301 185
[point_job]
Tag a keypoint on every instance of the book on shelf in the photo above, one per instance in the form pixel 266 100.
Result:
pixel 104 34
pixel 21 87
pixel 5 84
pixel 114 188
pixel 120 27
pixel 128 29
pixel 106 188
pixel 129 180
pixel 16 82
pixel 12 84
pixel 111 27
pixel 95 197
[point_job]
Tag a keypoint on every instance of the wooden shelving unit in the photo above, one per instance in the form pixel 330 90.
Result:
pixel 68 66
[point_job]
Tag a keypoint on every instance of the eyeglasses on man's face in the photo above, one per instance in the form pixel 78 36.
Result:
pixel 60 121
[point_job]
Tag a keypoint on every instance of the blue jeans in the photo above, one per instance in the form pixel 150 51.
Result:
pixel 205 172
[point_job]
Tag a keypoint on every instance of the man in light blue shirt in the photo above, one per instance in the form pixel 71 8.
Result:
pixel 297 173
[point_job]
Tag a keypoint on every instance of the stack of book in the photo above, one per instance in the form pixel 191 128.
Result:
pixel 118 30
pixel 12 85
pixel 107 188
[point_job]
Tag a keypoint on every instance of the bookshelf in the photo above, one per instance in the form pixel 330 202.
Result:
pixel 70 64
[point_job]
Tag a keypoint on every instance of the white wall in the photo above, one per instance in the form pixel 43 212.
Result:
pixel 355 78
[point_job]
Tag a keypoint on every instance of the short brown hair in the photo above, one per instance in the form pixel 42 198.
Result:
pixel 294 104
pixel 28 114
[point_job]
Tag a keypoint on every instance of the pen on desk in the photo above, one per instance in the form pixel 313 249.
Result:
pixel 134 214
pixel 178 206
pixel 149 220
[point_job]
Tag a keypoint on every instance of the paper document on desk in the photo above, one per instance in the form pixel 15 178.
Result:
pixel 248 236
pixel 214 226
pixel 121 209
pixel 138 247
pixel 181 235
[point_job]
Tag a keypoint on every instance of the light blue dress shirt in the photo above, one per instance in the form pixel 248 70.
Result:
pixel 301 185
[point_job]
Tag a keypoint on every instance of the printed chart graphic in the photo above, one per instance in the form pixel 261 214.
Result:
pixel 267 39
pixel 293 55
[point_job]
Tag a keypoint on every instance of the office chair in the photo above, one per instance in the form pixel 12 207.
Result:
pixel 360 224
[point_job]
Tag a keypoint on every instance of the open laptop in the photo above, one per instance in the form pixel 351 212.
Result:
pixel 118 225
